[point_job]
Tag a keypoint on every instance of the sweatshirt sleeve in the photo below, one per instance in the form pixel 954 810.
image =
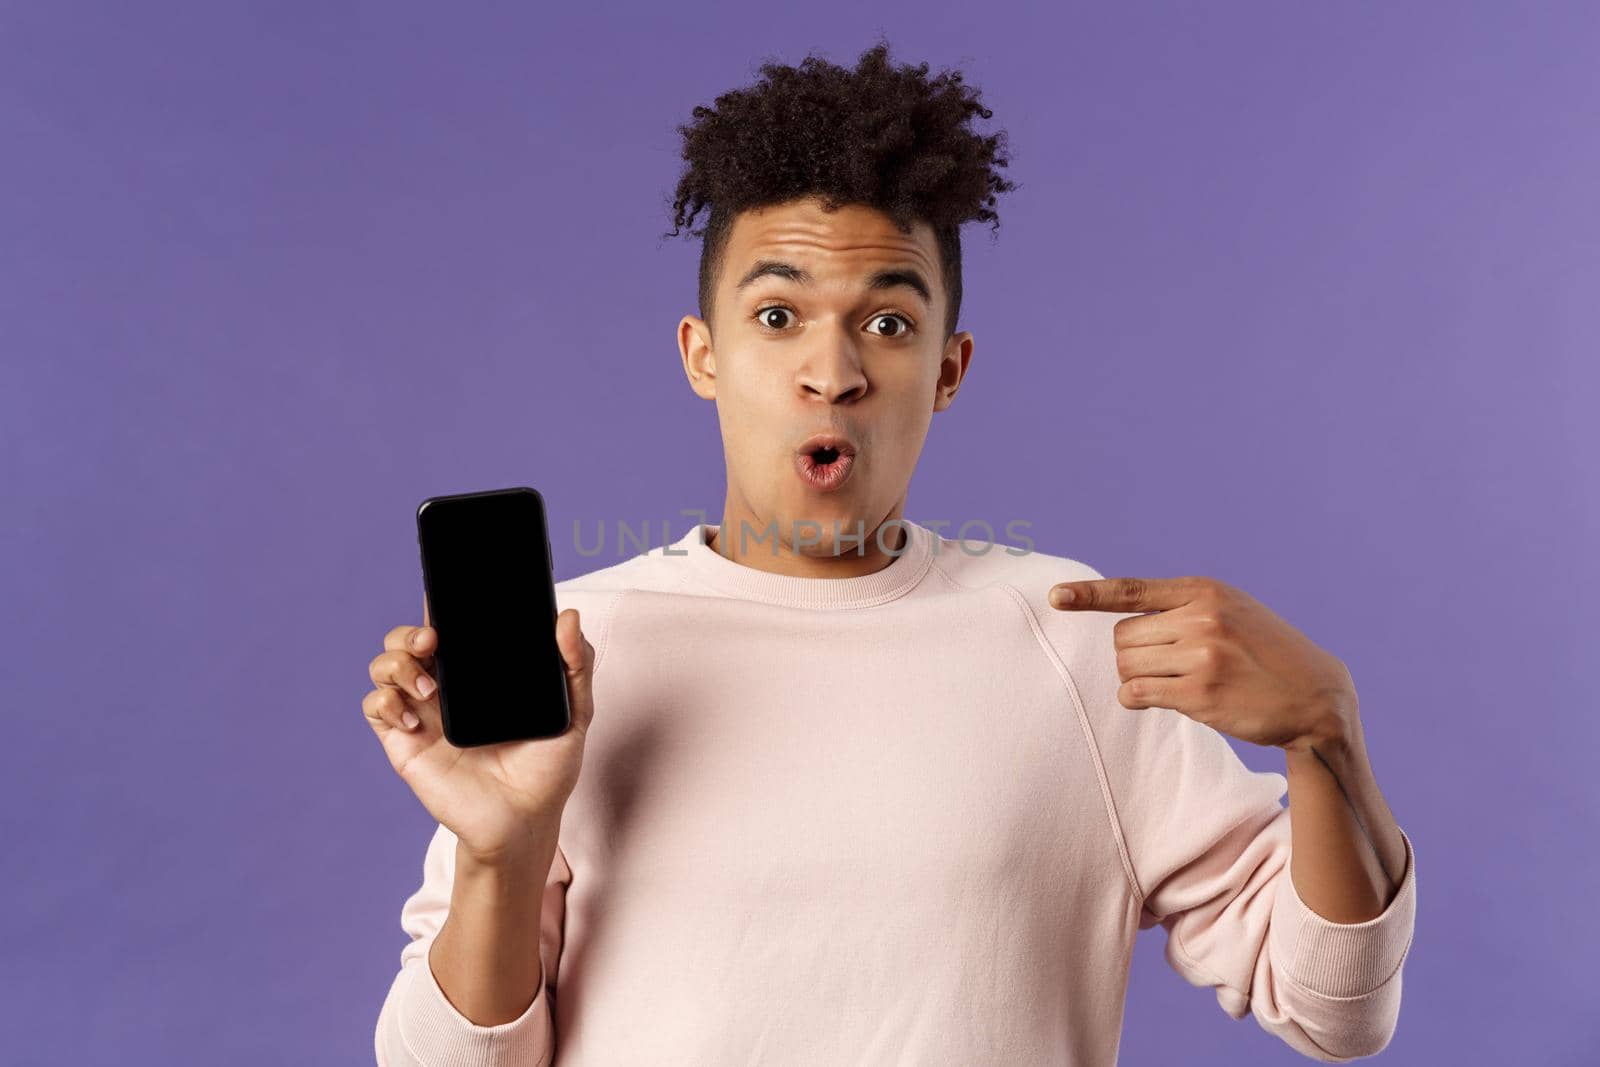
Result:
pixel 419 1027
pixel 1208 844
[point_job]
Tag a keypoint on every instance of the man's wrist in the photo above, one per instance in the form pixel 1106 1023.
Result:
pixel 1335 730
pixel 531 855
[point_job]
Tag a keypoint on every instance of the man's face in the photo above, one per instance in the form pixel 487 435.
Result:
pixel 806 344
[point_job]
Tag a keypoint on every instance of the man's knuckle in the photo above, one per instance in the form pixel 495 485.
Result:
pixel 377 704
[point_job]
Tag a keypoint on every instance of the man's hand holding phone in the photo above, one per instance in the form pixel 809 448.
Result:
pixel 500 799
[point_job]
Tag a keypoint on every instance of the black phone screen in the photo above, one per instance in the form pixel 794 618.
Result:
pixel 487 574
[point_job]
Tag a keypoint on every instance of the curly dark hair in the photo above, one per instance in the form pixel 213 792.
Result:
pixel 885 136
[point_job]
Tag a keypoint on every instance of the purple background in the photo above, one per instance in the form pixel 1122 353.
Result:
pixel 1292 295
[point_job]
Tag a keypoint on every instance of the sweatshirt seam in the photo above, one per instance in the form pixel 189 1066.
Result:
pixel 1095 756
pixel 606 619
pixel 937 568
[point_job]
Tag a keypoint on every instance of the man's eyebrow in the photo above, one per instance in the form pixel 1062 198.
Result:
pixel 883 279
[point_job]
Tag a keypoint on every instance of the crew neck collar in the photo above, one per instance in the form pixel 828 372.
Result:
pixel 745 582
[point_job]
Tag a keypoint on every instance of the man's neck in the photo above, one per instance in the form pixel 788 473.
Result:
pixel 767 548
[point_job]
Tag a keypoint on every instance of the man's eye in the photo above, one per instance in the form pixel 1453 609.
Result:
pixel 905 324
pixel 766 315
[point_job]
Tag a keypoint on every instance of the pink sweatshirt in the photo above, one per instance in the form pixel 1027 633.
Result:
pixel 893 819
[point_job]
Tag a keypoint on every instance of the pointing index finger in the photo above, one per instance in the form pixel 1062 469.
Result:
pixel 1121 594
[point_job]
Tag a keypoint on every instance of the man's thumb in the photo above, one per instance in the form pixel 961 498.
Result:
pixel 577 655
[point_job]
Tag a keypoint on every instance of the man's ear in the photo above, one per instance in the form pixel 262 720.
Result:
pixel 699 364
pixel 952 369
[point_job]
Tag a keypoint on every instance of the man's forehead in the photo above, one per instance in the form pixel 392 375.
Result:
pixel 853 233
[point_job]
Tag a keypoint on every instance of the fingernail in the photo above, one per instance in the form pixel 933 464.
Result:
pixel 425 686
pixel 409 717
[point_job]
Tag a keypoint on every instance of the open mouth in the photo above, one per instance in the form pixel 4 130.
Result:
pixel 824 462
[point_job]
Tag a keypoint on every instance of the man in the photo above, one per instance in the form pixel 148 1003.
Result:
pixel 840 789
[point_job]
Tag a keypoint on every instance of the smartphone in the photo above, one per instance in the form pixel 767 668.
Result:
pixel 488 574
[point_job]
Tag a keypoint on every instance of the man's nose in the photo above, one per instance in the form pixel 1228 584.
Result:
pixel 832 370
